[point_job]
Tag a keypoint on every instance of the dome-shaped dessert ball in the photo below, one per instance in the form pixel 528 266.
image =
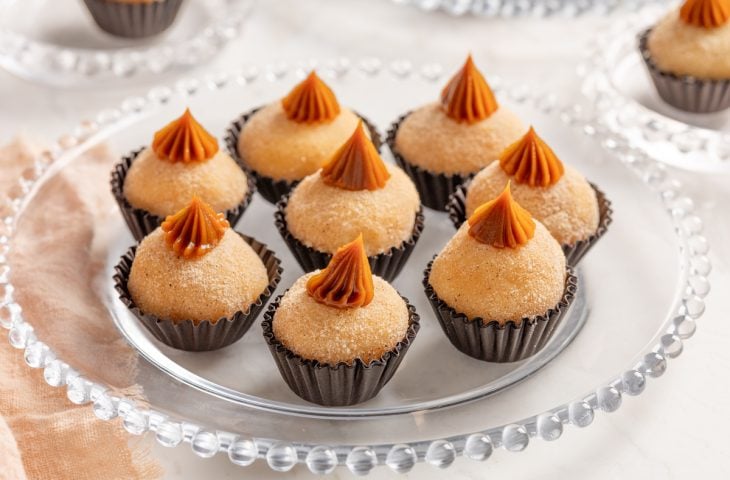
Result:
pixel 162 187
pixel 503 284
pixel 226 279
pixel 330 335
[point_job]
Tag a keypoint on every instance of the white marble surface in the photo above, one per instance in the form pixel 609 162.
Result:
pixel 676 429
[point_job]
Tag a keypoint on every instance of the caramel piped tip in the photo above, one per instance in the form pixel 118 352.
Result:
pixel 705 13
pixel 184 140
pixel 195 230
pixel 467 97
pixel 502 222
pixel 530 160
pixel 311 101
pixel 356 165
pixel 347 282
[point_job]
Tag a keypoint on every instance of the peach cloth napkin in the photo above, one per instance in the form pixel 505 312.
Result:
pixel 55 263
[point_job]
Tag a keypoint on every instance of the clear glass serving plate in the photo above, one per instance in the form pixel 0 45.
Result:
pixel 617 80
pixel 56 41
pixel 529 8
pixel 642 289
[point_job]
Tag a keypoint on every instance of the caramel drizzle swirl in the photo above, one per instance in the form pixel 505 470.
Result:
pixel 347 282
pixel 705 13
pixel 184 140
pixel 467 97
pixel 530 160
pixel 195 230
pixel 311 101
pixel 356 165
pixel 502 222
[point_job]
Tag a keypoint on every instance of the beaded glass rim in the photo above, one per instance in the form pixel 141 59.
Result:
pixel 38 60
pixel 524 8
pixel 628 118
pixel 138 419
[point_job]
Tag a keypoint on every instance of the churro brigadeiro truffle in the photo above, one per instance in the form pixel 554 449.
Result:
pixel 355 192
pixel 341 313
pixel 184 160
pixel 194 267
pixel 292 138
pixel 694 40
pixel 461 133
pixel 555 194
pixel 501 265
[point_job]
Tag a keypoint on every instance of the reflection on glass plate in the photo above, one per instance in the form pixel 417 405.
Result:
pixel 531 8
pixel 617 82
pixel 642 290
pixel 57 42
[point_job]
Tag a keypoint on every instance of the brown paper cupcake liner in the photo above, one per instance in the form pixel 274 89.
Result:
pixel 133 19
pixel 141 222
pixel 205 335
pixel 341 384
pixel 386 265
pixel 491 341
pixel 434 188
pixel 574 252
pixel 269 188
pixel 685 92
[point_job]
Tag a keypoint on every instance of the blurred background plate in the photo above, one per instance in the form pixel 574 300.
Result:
pixel 517 8
pixel 56 42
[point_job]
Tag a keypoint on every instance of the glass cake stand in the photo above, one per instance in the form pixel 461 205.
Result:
pixel 641 291
pixel 56 41
pixel 529 8
pixel 617 80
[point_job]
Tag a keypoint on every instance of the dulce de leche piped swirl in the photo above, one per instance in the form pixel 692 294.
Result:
pixel 347 282
pixel 356 165
pixel 502 222
pixel 184 140
pixel 530 160
pixel 467 97
pixel 311 101
pixel 195 230
pixel 705 13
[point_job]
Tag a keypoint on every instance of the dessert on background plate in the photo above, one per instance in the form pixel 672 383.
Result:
pixel 354 193
pixel 442 144
pixel 194 283
pixel 688 56
pixel 134 18
pixel 339 334
pixel 575 212
pixel 500 286
pixel 284 141
pixel 184 160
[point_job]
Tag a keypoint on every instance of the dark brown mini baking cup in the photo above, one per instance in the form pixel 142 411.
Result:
pixel 133 19
pixel 342 384
pixel 574 252
pixel 206 335
pixel 491 341
pixel 685 92
pixel 141 222
pixel 434 188
pixel 269 188
pixel 386 265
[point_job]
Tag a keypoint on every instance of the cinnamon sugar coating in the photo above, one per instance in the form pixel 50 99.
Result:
pixel 568 209
pixel 331 335
pixel 325 217
pixel 162 188
pixel 283 149
pixel 500 284
pixel 229 278
pixel 428 138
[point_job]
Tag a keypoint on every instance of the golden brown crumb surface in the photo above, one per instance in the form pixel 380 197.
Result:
pixel 684 49
pixel 568 209
pixel 500 284
pixel 163 187
pixel 282 149
pixel 227 279
pixel 433 141
pixel 331 335
pixel 325 217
